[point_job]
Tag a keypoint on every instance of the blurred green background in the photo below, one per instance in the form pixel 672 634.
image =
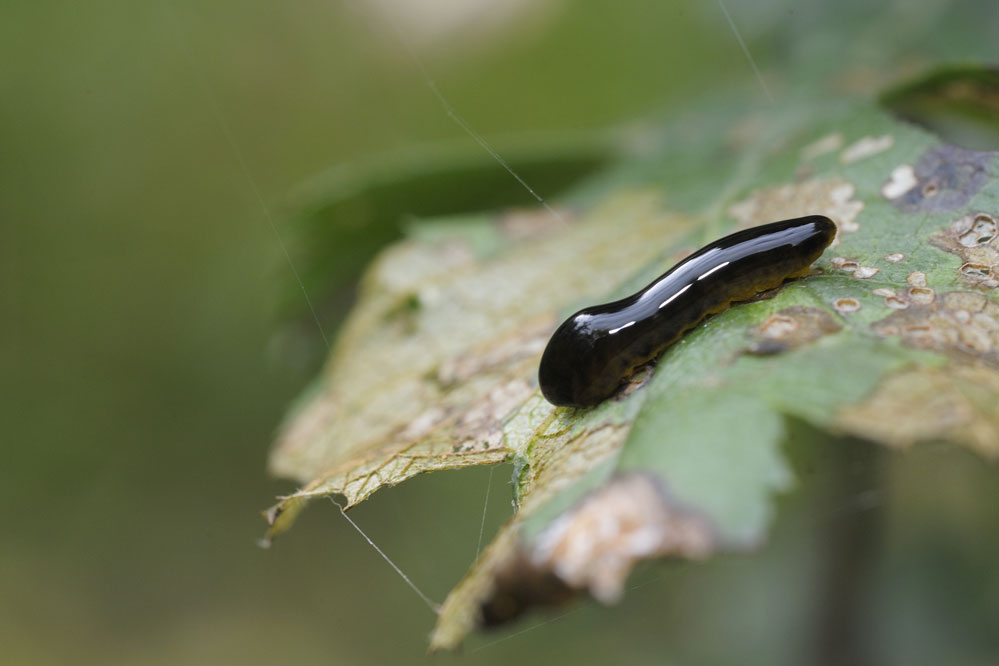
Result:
pixel 149 348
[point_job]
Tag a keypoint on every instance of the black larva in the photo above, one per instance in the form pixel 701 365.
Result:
pixel 596 349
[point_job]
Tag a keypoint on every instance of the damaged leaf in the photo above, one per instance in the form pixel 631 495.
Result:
pixel 442 349
pixel 893 337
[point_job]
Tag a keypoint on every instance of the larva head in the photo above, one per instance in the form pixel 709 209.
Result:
pixel 571 373
pixel 825 231
pixel 809 236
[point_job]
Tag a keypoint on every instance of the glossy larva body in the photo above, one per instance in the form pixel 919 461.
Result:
pixel 595 350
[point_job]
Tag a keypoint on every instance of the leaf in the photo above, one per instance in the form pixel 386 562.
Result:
pixel 894 338
pixel 443 345
pixel 961 104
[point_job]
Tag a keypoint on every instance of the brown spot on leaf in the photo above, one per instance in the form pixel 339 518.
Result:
pixel 896 303
pixel 974 239
pixel 961 324
pixel 792 327
pixel 946 178
pixel 778 326
pixel 967 300
pixel 846 305
pixel 980 229
pixel 921 295
pixel 894 257
pixel 844 264
pixel 982 274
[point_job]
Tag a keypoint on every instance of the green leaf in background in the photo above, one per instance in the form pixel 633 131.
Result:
pixel 893 338
pixel 344 216
pixel 958 103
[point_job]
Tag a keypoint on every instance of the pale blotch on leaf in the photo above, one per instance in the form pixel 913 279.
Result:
pixel 865 272
pixel 902 179
pixel 594 545
pixel 827 144
pixel 955 402
pixel 590 547
pixel 832 197
pixel 866 147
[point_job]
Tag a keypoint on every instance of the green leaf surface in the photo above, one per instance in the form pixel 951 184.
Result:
pixel 893 338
